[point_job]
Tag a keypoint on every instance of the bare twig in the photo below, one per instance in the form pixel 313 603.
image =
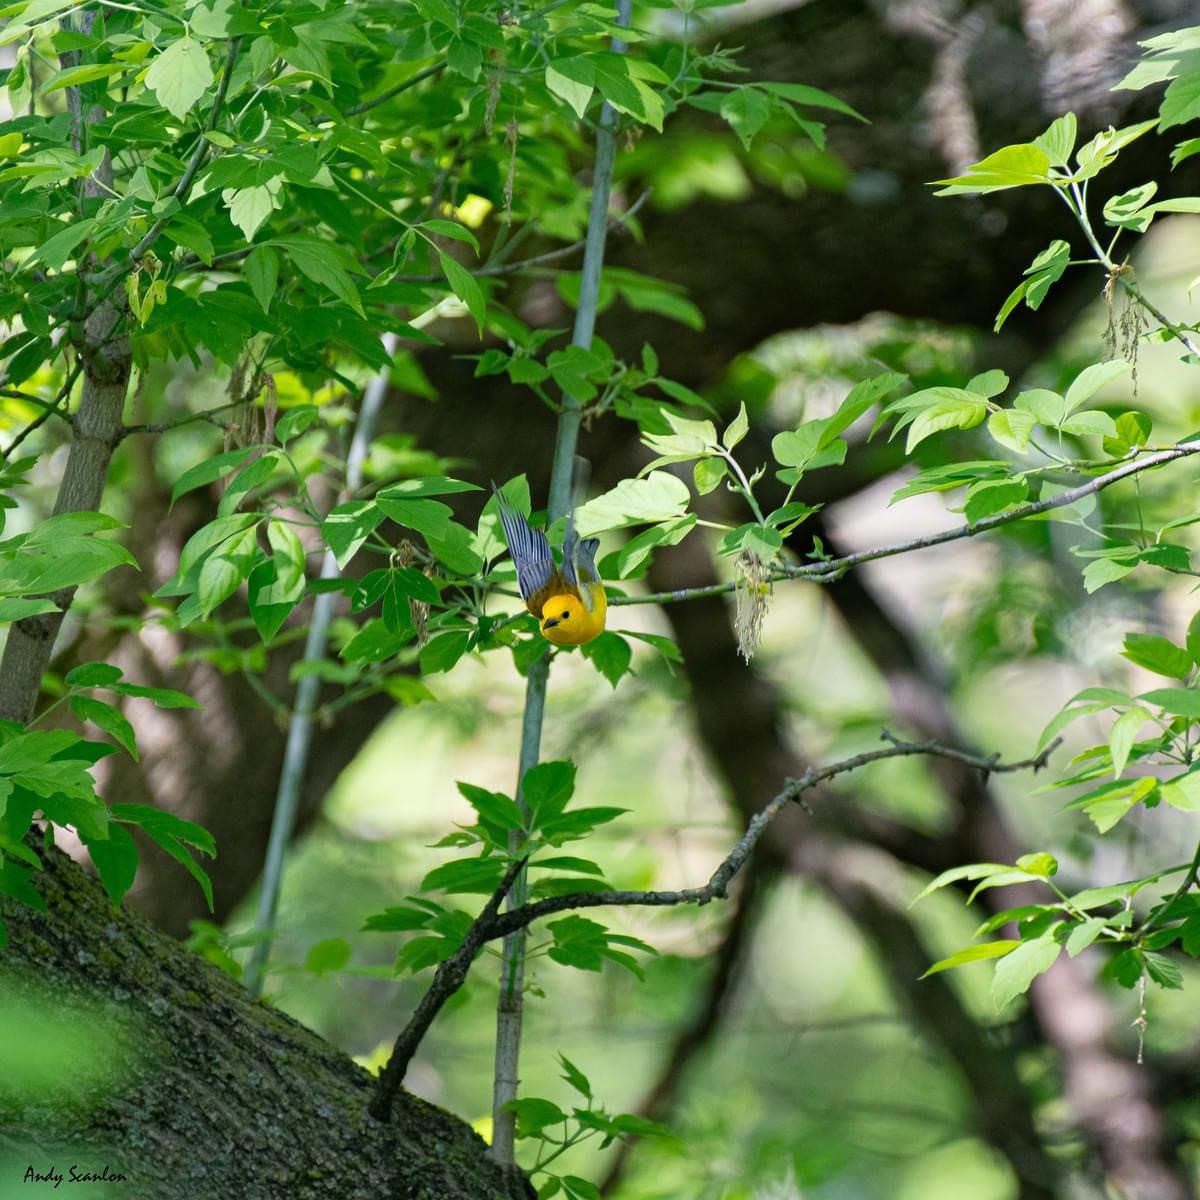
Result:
pixel 492 924
pixel 384 97
pixel 209 415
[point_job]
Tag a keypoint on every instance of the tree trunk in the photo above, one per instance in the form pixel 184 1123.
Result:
pixel 188 1086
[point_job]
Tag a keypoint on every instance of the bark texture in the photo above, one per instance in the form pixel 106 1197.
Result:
pixel 208 1092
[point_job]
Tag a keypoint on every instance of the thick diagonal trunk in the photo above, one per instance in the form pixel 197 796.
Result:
pixel 188 1086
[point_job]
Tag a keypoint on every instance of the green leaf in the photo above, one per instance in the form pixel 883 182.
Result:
pixel 261 272
pixel 1047 407
pixel 1193 639
pixel 492 806
pixel 993 496
pixel 534 1115
pixel 401 919
pixel 161 697
pixel 18 610
pixel 1016 971
pixel 1163 971
pixel 610 654
pixel 442 652
pixel 955 874
pixel 348 526
pixel 1059 140
pixel 110 719
pixel 1180 102
pixel 979 953
pixel 174 835
pixel 746 110
pixel 465 287
pixel 988 384
pixel 575 1077
pixel 296 420
pixel 115 858
pixel 1183 792
pixel 93 675
pixel 661 496
pixel 1096 424
pixel 211 470
pixel 949 414
pixel 325 263
pixel 572 80
pixel 736 429
pixel 707 474
pixel 180 76
pixel 429 485
pixel 1084 934
pixel 224 570
pixel 327 956
pixel 466 875
pixel 1158 654
pixel 1104 570
pixel 1133 429
pixel 1180 702
pixel 1090 380
pixel 429 517
pixel 424 952
pixel 1122 735
pixel 452 229
pixel 1013 166
pixel 1041 864
pixel 1012 428
pixel 56 250
pixel 546 789
pixel 250 207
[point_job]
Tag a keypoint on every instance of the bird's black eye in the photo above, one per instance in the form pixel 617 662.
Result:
pixel 565 615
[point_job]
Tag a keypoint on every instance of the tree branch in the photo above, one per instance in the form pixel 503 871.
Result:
pixel 492 924
pixel 834 568
pixel 412 81
pixel 55 409
pixel 449 977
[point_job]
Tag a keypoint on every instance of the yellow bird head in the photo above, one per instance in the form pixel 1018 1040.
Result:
pixel 566 622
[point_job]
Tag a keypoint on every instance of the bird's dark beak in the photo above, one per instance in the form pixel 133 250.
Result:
pixel 549 623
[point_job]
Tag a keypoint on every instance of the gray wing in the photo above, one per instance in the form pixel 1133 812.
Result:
pixel 529 549
pixel 579 561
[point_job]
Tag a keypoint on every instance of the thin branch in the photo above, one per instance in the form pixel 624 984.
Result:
pixel 615 223
pixel 166 426
pixel 303 716
pixel 832 569
pixel 449 977
pixel 492 924
pixel 49 406
pixel 412 81
pixel 570 417
pixel 56 409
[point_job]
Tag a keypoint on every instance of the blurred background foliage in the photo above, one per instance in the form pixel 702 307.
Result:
pixel 790 1060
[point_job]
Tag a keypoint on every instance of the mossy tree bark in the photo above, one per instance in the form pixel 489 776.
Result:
pixel 192 1089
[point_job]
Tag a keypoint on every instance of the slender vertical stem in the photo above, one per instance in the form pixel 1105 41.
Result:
pixel 510 1003
pixel 300 729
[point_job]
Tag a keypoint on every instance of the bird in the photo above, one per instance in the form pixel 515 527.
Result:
pixel 568 601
